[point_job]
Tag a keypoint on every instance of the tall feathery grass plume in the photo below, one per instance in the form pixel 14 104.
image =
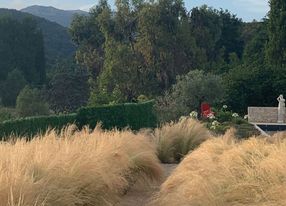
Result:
pixel 75 168
pixel 176 139
pixel 227 172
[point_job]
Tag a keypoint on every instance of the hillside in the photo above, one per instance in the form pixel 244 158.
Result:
pixel 57 41
pixel 62 17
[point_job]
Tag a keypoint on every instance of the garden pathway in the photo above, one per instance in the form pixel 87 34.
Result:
pixel 139 196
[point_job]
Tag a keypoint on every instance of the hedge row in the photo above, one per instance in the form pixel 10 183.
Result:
pixel 33 125
pixel 134 116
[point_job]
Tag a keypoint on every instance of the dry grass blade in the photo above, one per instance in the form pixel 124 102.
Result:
pixel 74 168
pixel 225 172
pixel 176 139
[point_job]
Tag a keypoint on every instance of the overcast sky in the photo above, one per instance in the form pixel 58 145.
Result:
pixel 245 9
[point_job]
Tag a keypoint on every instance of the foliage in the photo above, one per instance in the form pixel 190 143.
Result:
pixel 224 119
pixel 132 115
pixel 142 98
pixel 217 34
pixel 31 126
pixel 224 171
pixel 165 42
pixel 255 37
pixel 142 46
pixel 76 167
pixel 248 85
pixel 7 114
pixel 167 108
pixel 11 87
pixel 85 32
pixel 135 116
pixel 68 90
pixel 189 93
pixel 57 42
pixel 22 48
pixel 276 46
pixel 176 139
pixel 30 103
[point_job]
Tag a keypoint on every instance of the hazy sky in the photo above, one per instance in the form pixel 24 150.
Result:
pixel 245 9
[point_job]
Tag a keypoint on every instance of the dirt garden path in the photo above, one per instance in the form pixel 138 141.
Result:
pixel 139 196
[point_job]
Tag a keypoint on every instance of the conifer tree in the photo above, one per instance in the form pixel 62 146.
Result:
pixel 276 47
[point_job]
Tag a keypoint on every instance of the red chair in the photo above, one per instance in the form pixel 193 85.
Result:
pixel 206 110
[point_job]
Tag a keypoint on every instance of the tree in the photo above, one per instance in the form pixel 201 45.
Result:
pixel 217 34
pixel 206 27
pixel 123 71
pixel 21 47
pixel 254 50
pixel 189 93
pixel 11 87
pixel 249 85
pixel 165 42
pixel 276 46
pixel 86 33
pixel 31 103
pixel 68 90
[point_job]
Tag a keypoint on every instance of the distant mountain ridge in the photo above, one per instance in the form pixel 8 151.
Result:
pixel 62 17
pixel 57 41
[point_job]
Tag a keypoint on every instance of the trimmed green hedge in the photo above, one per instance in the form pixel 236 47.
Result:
pixel 134 116
pixel 33 125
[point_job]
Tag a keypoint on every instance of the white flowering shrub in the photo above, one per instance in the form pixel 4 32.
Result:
pixel 194 115
pixel 235 115
pixel 211 116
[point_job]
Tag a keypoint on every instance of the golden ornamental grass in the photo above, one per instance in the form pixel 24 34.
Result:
pixel 176 139
pixel 226 172
pixel 75 168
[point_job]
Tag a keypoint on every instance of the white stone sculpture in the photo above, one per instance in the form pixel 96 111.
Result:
pixel 281 109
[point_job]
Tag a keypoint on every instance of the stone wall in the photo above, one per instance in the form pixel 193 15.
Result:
pixel 263 114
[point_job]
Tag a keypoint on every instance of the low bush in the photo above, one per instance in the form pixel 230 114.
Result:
pixel 176 139
pixel 133 115
pixel 31 126
pixel 225 171
pixel 75 168
pixel 243 130
pixel 7 114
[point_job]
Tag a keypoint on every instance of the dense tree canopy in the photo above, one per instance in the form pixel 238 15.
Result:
pixel 21 47
pixel 190 91
pixel 11 87
pixel 142 46
pixel 156 49
pixel 276 47
pixel 30 102
pixel 68 90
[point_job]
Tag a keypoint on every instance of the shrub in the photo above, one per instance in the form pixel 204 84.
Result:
pixel 224 171
pixel 176 139
pixel 142 98
pixel 223 116
pixel 135 116
pixel 30 103
pixel 68 90
pixel 189 92
pixel 31 126
pixel 242 130
pixel 11 87
pixel 7 113
pixel 75 168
